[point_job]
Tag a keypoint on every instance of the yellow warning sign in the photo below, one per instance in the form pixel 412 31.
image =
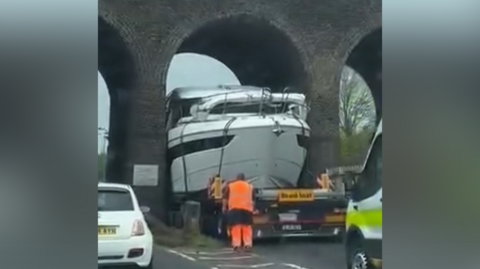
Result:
pixel 295 196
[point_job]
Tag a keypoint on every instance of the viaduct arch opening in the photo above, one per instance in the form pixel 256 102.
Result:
pixel 257 52
pixel 366 60
pixel 115 65
pixel 193 70
pixel 360 98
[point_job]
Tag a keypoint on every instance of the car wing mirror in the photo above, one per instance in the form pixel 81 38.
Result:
pixel 145 209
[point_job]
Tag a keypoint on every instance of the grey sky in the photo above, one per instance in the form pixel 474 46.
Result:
pixel 185 70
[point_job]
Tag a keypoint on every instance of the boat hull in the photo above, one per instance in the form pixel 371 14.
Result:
pixel 268 150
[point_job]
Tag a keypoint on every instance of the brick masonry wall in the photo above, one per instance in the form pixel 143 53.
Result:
pixel 323 31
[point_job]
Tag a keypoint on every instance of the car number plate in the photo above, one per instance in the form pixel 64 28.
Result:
pixel 107 230
pixel 292 227
pixel 287 217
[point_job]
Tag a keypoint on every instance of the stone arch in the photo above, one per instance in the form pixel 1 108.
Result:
pixel 333 45
pixel 322 32
pixel 365 57
pixel 253 48
pixel 117 68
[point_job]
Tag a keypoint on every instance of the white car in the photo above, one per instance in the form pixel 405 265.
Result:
pixel 123 234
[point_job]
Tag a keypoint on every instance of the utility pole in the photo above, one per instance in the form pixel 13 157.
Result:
pixel 104 133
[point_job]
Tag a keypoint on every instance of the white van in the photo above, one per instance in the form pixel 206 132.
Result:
pixel 363 237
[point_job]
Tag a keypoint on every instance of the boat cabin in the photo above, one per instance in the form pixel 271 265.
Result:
pixel 187 104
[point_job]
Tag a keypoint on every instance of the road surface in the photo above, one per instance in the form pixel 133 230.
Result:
pixel 290 254
pixel 307 253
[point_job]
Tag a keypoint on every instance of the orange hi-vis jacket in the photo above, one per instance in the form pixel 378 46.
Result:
pixel 240 195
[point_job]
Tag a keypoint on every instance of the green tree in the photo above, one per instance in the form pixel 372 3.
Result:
pixel 357 117
pixel 354 148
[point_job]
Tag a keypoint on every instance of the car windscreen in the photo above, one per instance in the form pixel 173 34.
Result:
pixel 114 199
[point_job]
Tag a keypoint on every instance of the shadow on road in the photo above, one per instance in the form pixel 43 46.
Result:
pixel 299 240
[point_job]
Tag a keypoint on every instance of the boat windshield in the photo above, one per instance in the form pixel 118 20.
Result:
pixel 252 108
pixel 197 108
pixel 179 109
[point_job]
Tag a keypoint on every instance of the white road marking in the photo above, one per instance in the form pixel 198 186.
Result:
pixel 181 255
pixel 262 265
pixel 245 266
pixel 225 258
pixel 208 253
pixel 233 266
pixel 293 266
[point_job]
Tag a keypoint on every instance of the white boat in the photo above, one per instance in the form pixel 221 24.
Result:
pixel 228 130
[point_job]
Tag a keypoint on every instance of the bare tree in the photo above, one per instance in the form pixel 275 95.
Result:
pixel 357 108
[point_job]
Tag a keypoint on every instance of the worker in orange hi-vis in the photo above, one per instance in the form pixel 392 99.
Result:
pixel 238 207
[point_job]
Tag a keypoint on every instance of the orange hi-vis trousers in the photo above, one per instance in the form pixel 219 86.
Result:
pixel 241 233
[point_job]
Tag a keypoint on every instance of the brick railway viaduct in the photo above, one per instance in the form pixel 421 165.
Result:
pixel 273 43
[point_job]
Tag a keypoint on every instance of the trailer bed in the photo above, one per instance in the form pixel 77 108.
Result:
pixel 298 212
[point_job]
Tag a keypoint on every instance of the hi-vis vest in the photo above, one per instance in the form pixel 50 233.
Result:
pixel 240 195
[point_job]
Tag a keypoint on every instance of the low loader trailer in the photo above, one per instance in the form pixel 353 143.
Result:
pixel 281 213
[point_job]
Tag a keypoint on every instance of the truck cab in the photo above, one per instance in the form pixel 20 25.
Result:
pixel 363 225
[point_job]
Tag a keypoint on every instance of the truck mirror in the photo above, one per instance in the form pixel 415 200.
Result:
pixel 349 180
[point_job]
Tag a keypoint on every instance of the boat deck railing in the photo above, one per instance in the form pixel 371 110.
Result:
pixel 262 105
pixel 254 106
